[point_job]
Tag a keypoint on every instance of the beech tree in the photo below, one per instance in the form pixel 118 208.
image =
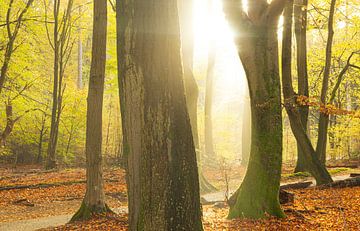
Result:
pixel 94 200
pixel 257 43
pixel 162 173
pixel 61 44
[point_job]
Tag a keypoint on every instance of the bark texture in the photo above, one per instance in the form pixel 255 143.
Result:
pixel 162 174
pixel 94 200
pixel 256 42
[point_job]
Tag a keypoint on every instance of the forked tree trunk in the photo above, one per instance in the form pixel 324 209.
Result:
pixel 94 200
pixel 313 165
pixel 162 174
pixel 257 46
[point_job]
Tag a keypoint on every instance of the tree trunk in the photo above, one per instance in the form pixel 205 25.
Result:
pixel 94 200
pixel 324 118
pixel 300 17
pixel 209 144
pixel 161 159
pixel 191 87
pixel 10 122
pixel 258 50
pixel 51 151
pixel 313 165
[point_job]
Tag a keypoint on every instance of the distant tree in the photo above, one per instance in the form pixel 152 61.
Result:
pixel 94 200
pixel 246 134
pixel 191 87
pixel 257 43
pixel 12 30
pixel 61 45
pixel 312 163
pixel 162 174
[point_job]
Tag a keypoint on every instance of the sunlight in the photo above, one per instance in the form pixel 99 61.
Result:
pixel 230 86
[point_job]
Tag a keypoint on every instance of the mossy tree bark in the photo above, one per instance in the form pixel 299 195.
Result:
pixel 191 87
pixel 257 46
pixel 94 200
pixel 162 173
pixel 313 165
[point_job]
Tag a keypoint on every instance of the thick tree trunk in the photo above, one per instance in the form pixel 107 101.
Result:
pixel 161 159
pixel 300 17
pixel 313 165
pixel 94 200
pixel 258 50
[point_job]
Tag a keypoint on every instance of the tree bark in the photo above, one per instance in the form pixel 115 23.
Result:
pixel 161 159
pixel 94 200
pixel 258 50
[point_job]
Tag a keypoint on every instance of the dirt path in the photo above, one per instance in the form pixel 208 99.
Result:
pixel 45 222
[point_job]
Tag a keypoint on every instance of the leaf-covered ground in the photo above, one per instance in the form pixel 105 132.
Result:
pixel 313 209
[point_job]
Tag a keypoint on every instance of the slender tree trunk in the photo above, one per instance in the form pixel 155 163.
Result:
pixel 324 118
pixel 12 35
pixel 300 16
pixel 209 141
pixel 10 122
pixel 313 165
pixel 80 64
pixel 51 151
pixel 41 138
pixel 191 87
pixel 94 200
pixel 258 51
pixel 161 159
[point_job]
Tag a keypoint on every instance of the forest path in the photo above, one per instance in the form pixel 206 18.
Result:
pixel 45 222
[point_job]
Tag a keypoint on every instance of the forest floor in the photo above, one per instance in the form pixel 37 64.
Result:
pixel 31 198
